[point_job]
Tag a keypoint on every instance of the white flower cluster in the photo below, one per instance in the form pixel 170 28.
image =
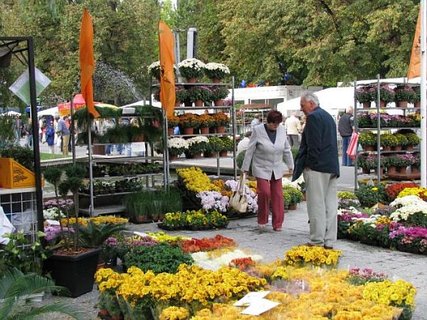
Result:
pixel 197 139
pixel 407 206
pixel 217 66
pixel 213 262
pixel 213 200
pixel 177 143
pixel 53 214
pixel 154 65
pixel 191 63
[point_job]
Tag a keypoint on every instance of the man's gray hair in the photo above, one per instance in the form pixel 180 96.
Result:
pixel 349 109
pixel 310 96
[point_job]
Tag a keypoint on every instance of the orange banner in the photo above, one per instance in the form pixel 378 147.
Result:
pixel 167 76
pixel 414 69
pixel 87 62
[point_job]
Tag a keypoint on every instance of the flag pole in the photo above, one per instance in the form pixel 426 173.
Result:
pixel 423 144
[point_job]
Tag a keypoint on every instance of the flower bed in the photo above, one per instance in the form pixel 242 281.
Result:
pixel 195 293
pixel 401 225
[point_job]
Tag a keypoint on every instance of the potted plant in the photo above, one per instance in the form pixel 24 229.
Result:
pixel 368 140
pixel 218 94
pixel 177 146
pixel 364 95
pixel 402 141
pixel 72 265
pixel 216 71
pixel 388 141
pixel 154 70
pixel 227 145
pixel 367 162
pixel 413 140
pixel 199 94
pixel 221 120
pixel 196 146
pixel 292 196
pixel 187 121
pixel 191 69
pixel 216 144
pixel 386 94
pixel 403 95
pixel 206 122
pixel 417 98
pixel 181 95
pixel 173 121
pixel 369 196
pixel 138 206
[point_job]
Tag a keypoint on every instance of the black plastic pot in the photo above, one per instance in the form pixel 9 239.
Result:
pixel 76 273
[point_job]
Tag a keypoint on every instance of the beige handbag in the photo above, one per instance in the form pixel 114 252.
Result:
pixel 238 200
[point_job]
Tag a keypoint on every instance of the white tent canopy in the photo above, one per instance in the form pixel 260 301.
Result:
pixel 48 112
pixel 332 100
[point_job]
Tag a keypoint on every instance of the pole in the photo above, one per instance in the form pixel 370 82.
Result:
pixel 423 144
pixel 89 148
pixel 35 128
pixel 72 131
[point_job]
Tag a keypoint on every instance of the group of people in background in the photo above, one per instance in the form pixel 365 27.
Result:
pixel 268 155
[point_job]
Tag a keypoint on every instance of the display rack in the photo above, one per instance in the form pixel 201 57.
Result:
pixel 19 205
pixel 378 150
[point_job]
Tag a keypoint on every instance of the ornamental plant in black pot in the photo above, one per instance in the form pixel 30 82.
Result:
pixel 71 265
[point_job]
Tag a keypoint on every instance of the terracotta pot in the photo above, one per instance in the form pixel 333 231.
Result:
pixel 368 148
pixel 208 154
pixel 401 170
pixel 397 148
pixel 366 105
pixel 198 103
pixel 391 170
pixel 402 104
pixel 382 104
pixel 366 170
pixel 409 147
pixel 173 158
pixel 204 130
pixel 220 129
pixel 170 131
pixel 98 149
pixel 188 130
pixel 191 80
pixel 415 169
pixel 177 103
pixel 386 148
pixel 219 102
pixel 223 153
pixel 417 104
pixel 216 80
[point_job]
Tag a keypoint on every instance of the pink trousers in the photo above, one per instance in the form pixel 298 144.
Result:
pixel 270 191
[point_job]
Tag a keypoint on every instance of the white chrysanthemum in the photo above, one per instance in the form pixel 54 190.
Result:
pixel 350 209
pixel 154 65
pixel 404 212
pixel 191 63
pixel 407 200
pixel 204 260
pixel 197 139
pixel 177 143
pixel 217 66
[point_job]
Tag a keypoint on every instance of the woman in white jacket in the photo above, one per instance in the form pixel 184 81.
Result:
pixel 268 151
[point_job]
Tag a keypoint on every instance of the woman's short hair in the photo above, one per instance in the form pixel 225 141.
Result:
pixel 274 116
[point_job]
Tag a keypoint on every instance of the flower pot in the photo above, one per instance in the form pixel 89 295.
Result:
pixel 382 104
pixel 417 104
pixel 402 104
pixel 204 130
pixel 197 155
pixel 198 103
pixel 368 148
pixel 220 129
pixel 188 130
pixel 401 170
pixel 208 154
pixel 386 148
pixel 141 219
pixel 173 158
pixel 170 131
pixel 409 147
pixel 216 80
pixel 366 105
pixel 191 80
pixel 75 272
pixel 366 170
pixel 415 169
pixel 397 148
pixel 223 153
pixel 292 206
pixel 391 170
pixel 219 102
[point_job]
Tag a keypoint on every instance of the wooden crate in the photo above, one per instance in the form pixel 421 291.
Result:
pixel 14 175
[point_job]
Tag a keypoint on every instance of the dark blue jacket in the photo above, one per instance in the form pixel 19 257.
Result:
pixel 318 150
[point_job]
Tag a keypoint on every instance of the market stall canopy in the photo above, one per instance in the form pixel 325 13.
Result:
pixel 11 114
pixel 64 109
pixel 48 112
pixel 332 100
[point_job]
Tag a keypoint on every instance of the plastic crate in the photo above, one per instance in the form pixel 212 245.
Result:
pixel 14 175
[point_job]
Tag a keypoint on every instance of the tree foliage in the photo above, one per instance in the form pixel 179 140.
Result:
pixel 319 42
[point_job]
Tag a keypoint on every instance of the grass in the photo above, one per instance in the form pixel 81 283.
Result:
pixel 50 156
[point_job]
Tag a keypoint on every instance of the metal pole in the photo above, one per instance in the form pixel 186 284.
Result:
pixel 233 114
pixel 72 131
pixel 378 131
pixel 423 144
pixel 36 145
pixel 89 148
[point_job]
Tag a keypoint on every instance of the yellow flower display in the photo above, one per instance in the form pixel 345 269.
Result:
pixel 314 255
pixel 196 180
pixel 174 313
pixel 399 293
pixel 96 220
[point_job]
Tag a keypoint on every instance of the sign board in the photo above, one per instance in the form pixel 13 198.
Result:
pixel 21 87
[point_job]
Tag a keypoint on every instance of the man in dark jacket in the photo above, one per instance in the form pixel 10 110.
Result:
pixel 317 160
pixel 345 128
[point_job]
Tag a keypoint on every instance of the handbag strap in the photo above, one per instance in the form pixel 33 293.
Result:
pixel 241 184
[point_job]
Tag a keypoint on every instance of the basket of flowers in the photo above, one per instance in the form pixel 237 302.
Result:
pixel 191 69
pixel 216 71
